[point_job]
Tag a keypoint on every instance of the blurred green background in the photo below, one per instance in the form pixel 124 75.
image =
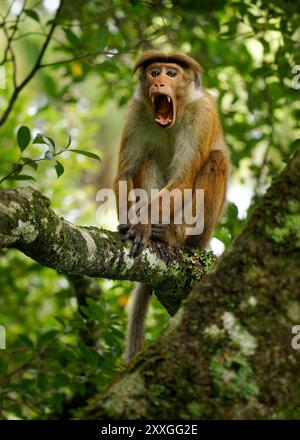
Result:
pixel 60 348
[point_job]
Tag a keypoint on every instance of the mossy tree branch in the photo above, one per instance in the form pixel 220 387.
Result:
pixel 28 224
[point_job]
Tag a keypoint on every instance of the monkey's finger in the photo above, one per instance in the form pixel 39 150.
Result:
pixel 128 235
pixel 137 245
pixel 141 246
pixel 124 227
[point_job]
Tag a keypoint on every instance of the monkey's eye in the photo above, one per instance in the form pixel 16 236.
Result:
pixel 155 72
pixel 171 73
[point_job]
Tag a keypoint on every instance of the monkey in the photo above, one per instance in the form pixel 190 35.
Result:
pixel 172 139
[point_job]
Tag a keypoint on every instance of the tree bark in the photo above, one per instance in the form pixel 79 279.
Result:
pixel 28 224
pixel 227 352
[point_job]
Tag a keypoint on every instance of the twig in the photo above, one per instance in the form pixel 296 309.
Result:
pixel 10 39
pixel 35 68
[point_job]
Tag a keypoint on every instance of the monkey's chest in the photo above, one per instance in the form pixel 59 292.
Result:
pixel 163 153
pixel 164 159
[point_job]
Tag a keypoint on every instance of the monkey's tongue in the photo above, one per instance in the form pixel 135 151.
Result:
pixel 163 118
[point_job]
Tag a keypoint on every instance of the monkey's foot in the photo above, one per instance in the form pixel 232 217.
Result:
pixel 138 234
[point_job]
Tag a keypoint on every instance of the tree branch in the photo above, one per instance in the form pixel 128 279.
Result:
pixel 35 68
pixel 28 224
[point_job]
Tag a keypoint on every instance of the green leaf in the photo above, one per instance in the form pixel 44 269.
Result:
pixel 42 381
pixel 59 169
pixel 39 139
pixel 69 142
pixel 21 358
pixel 295 144
pixel 94 309
pixel 101 38
pixel 30 163
pixel 91 356
pixel 26 340
pixel 32 14
pixel 69 355
pixel 49 141
pixel 232 210
pixel 43 139
pixel 86 153
pixel 48 336
pixel 71 37
pixel 50 86
pixel 20 177
pixel 23 137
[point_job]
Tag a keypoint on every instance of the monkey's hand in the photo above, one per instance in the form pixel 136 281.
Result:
pixel 138 234
pixel 123 228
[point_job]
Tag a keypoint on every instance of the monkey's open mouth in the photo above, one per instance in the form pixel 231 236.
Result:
pixel 163 109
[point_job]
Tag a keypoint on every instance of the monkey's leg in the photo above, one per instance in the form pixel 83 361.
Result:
pixel 123 202
pixel 148 177
pixel 213 179
pixel 136 321
pixel 173 235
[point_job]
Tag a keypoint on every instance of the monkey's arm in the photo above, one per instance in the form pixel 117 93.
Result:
pixel 122 199
pixel 124 178
pixel 212 179
pixel 139 232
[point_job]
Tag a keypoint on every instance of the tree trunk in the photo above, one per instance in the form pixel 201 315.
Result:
pixel 227 352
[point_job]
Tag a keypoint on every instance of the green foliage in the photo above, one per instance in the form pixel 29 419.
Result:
pixel 59 350
pixel 59 168
pixel 32 14
pixel 48 361
pixel 86 153
pixel 23 139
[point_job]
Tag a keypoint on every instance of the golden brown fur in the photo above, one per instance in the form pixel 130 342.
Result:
pixel 174 145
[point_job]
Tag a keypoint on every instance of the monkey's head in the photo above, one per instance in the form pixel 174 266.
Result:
pixel 167 83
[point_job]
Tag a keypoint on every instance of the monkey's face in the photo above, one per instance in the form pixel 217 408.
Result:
pixel 164 82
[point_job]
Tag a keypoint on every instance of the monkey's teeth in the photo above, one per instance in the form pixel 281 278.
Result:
pixel 152 98
pixel 161 122
pixel 169 99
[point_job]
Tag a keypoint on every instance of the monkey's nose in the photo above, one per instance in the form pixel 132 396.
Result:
pixel 158 85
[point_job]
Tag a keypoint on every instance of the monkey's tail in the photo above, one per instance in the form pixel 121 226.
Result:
pixel 136 320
